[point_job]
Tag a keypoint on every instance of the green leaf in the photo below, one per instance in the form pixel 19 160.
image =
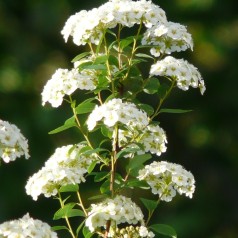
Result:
pixel 96 66
pixel 164 230
pixel 68 124
pixel 126 151
pixel 106 131
pixel 85 107
pixel 127 41
pixel 79 227
pixel 147 108
pixel 69 188
pixel 149 204
pixel 152 85
pixel 92 166
pixel 100 176
pixel 135 183
pixel 101 59
pixel 87 233
pixel 100 196
pixel 80 56
pixel 170 110
pixel 68 211
pixel 137 161
pixel 57 228
pixel 144 55
pixel 105 187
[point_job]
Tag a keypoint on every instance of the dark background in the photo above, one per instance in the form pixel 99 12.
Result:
pixel 205 141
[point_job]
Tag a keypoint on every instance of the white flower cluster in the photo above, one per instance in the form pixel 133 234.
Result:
pixel 88 26
pixel 185 74
pixel 115 111
pixel 166 178
pixel 65 82
pixel 132 232
pixel 12 143
pixel 26 227
pixel 118 210
pixel 65 166
pixel 167 38
pixel 152 138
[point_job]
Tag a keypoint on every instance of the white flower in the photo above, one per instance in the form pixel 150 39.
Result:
pixel 115 111
pixel 152 138
pixel 186 74
pixel 26 227
pixel 167 37
pixel 119 210
pixel 65 82
pixel 65 166
pixel 12 143
pixel 166 178
pixel 89 26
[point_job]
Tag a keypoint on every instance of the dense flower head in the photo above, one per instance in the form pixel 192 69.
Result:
pixel 132 232
pixel 185 74
pixel 65 82
pixel 65 166
pixel 115 111
pixel 118 210
pixel 26 227
pixel 152 138
pixel 89 26
pixel 12 143
pixel 166 178
pixel 167 37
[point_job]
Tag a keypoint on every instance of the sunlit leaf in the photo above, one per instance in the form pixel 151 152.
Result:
pixel 137 161
pixel 80 56
pixel 85 107
pixel 68 124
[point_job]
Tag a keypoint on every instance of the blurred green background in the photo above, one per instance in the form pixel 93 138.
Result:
pixel 205 141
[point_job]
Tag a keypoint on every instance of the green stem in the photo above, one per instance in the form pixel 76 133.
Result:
pixel 81 203
pixel 152 212
pixel 163 99
pixel 66 218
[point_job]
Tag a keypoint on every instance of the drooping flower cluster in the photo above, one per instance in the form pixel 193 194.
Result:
pixel 26 227
pixel 65 166
pixel 118 210
pixel 12 143
pixel 166 178
pixel 167 38
pixel 115 111
pixel 132 232
pixel 185 74
pixel 89 26
pixel 152 138
pixel 65 82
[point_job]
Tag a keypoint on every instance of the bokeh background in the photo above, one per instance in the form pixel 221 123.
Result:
pixel 205 141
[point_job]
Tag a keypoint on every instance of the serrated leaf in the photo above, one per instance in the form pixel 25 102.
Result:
pixel 164 230
pixel 137 161
pixel 68 124
pixel 149 204
pixel 80 56
pixel 85 107
pixel 171 110
pixel 69 188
